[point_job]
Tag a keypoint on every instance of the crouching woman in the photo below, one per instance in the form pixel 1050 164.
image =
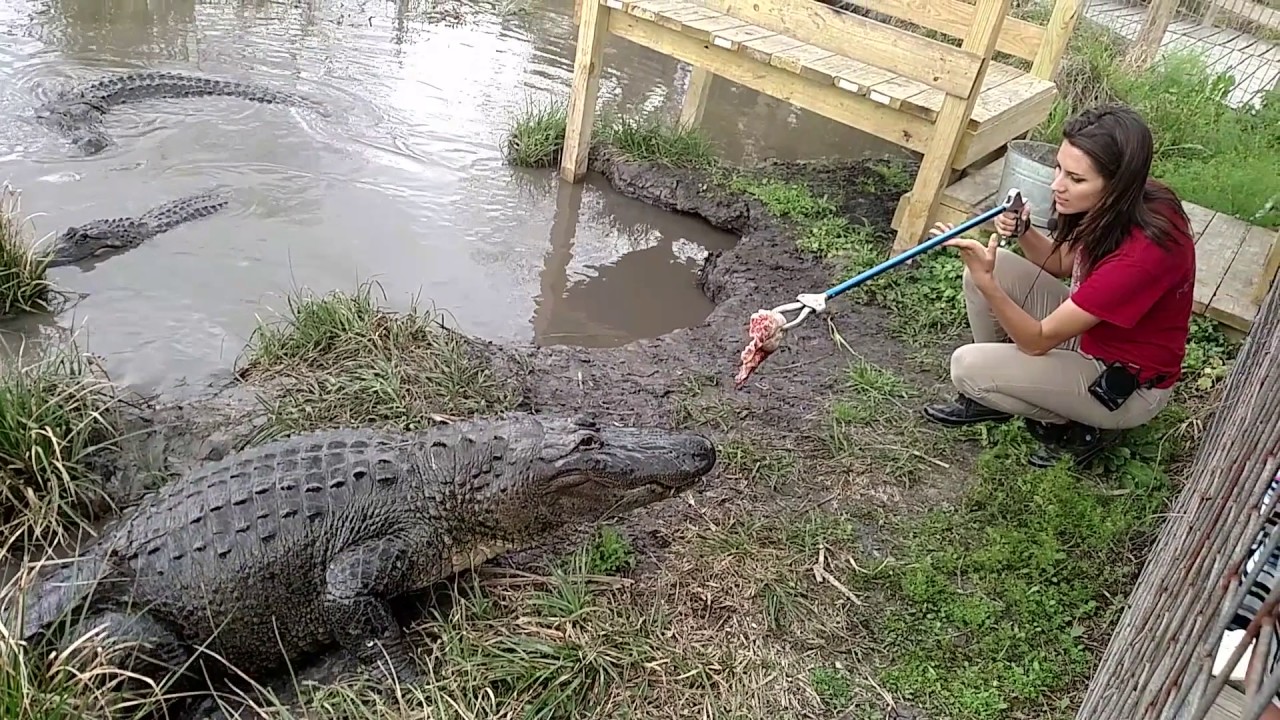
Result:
pixel 1087 332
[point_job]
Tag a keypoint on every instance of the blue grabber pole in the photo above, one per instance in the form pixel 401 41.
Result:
pixel 817 302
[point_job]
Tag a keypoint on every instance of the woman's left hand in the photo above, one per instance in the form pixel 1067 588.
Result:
pixel 980 260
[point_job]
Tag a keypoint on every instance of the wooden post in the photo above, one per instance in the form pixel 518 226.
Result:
pixel 949 128
pixel 1057 35
pixel 1269 271
pixel 592 27
pixel 1151 34
pixel 695 98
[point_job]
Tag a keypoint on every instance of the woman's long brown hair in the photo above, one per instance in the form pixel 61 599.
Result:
pixel 1119 143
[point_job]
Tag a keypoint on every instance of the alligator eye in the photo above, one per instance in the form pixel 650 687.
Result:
pixel 588 442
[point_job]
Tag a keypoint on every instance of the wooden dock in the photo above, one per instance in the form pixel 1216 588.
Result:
pixel 1236 261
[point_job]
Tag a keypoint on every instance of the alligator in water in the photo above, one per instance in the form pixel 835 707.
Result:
pixel 82 242
pixel 275 552
pixel 79 113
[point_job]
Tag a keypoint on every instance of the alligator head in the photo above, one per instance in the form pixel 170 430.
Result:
pixel 79 121
pixel 554 472
pixel 81 242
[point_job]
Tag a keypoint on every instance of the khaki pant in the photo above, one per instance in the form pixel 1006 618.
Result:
pixel 1053 387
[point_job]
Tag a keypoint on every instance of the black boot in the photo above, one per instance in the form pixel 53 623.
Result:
pixel 1080 442
pixel 963 410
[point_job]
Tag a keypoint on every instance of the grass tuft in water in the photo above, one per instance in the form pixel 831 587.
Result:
pixel 344 360
pixel 536 139
pixel 56 416
pixel 651 140
pixel 23 285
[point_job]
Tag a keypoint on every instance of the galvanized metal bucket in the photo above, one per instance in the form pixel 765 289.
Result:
pixel 1028 166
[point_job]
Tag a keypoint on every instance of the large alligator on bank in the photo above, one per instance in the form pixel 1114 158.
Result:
pixel 79 113
pixel 277 551
pixel 82 242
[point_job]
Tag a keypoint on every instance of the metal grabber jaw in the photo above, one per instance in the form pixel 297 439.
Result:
pixel 806 303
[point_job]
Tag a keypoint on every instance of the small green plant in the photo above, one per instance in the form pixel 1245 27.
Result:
pixel 23 285
pixel 342 359
pixel 56 418
pixel 536 137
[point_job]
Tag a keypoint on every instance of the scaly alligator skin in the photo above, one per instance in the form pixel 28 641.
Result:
pixel 81 242
pixel 79 113
pixel 281 550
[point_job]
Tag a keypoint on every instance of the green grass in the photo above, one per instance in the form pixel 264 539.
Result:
pixel 1212 155
pixel 23 285
pixel 57 418
pixel 535 139
pixel 342 359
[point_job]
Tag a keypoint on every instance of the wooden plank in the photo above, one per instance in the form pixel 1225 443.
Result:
pixel 675 18
pixel 1214 254
pixel 694 103
pixel 904 53
pixel 793 59
pixel 648 9
pixel 928 102
pixel 995 133
pixel 762 50
pixel 895 91
pixel 1010 97
pixel 1199 217
pixel 824 99
pixel 972 192
pixel 953 17
pixel 732 38
pixel 1229 705
pixel 949 129
pixel 1269 271
pixel 707 28
pixel 859 78
pixel 587 61
pixel 1233 304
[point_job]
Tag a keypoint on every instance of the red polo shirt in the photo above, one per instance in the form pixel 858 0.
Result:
pixel 1143 295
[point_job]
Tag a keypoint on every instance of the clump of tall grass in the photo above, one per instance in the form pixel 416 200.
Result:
pixel 57 416
pixel 536 139
pixel 341 359
pixel 23 285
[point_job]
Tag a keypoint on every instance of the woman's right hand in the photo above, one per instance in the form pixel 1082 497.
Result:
pixel 1006 224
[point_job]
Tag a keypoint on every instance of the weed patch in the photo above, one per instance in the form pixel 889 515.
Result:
pixel 1213 155
pixel 57 419
pixel 341 359
pixel 536 140
pixel 23 285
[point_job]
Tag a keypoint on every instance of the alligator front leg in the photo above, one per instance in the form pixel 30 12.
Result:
pixel 359 581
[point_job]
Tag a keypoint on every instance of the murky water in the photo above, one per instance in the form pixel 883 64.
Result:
pixel 401 181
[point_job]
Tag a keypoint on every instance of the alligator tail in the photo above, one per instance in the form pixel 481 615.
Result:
pixel 192 207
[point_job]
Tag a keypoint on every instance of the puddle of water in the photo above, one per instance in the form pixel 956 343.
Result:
pixel 402 181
